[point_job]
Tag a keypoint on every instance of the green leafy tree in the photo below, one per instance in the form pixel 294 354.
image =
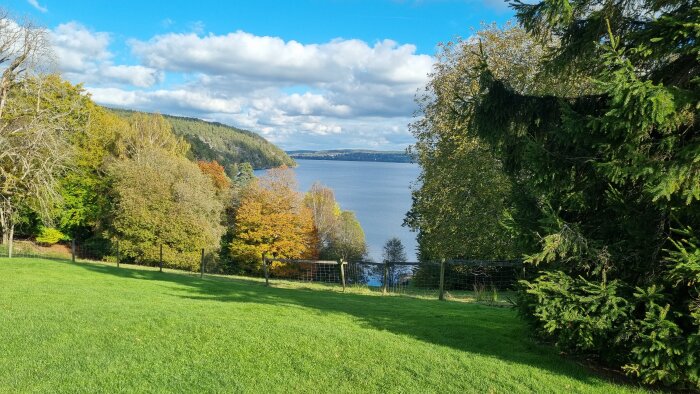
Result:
pixel 162 198
pixel 39 114
pixel 347 241
pixel 85 187
pixel 464 196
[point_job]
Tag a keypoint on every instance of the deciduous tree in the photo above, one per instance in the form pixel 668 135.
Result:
pixel 463 195
pixel 163 199
pixel 348 239
pixel 272 220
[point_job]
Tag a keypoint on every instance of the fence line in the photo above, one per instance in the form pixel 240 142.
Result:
pixel 453 278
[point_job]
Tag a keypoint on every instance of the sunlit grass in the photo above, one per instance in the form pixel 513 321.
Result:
pixel 96 328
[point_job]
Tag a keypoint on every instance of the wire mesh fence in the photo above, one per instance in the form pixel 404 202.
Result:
pixel 439 279
pixel 323 271
pixel 454 278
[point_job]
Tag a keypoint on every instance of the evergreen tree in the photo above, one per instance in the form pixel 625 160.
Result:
pixel 614 170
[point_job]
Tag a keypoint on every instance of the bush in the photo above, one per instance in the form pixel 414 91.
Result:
pixel 644 331
pixel 50 236
pixel 580 315
pixel 661 352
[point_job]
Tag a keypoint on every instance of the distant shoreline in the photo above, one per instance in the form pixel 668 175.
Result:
pixel 352 155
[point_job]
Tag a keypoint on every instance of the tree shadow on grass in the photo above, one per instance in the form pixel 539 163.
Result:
pixel 473 328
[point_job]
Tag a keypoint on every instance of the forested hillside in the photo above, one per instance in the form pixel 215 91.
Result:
pixel 226 144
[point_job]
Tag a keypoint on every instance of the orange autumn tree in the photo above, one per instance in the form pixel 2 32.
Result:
pixel 272 220
pixel 216 172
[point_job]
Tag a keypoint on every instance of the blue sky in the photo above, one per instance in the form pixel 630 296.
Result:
pixel 304 74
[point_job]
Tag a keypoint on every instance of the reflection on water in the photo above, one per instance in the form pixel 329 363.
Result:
pixel 377 192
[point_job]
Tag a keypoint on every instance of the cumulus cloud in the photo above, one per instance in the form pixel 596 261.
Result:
pixel 274 59
pixel 84 56
pixel 340 93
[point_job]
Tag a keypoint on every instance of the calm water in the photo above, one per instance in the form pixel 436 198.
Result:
pixel 378 193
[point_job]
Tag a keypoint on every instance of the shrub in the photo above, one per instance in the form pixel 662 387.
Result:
pixel 580 315
pixel 661 353
pixel 654 338
pixel 50 236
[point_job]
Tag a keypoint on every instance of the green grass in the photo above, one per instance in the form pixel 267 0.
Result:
pixel 95 328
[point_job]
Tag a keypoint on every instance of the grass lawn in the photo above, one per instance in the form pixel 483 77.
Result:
pixel 95 328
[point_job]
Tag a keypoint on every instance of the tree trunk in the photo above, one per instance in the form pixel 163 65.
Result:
pixel 4 227
pixel 11 239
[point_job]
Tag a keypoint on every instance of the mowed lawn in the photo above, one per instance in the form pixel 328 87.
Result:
pixel 90 327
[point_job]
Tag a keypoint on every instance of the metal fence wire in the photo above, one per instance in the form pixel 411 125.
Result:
pixel 456 276
pixel 324 271
pixel 430 278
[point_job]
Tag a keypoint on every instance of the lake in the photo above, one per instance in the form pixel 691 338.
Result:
pixel 379 194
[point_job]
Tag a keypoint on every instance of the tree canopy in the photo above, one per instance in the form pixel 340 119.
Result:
pixel 598 138
pixel 272 220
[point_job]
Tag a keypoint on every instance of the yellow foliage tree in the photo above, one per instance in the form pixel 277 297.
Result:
pixel 272 220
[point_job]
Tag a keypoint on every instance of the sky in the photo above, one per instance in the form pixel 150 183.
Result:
pixel 304 74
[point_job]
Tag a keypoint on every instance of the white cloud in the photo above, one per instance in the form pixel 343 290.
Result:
pixel 276 60
pixel 340 93
pixel 84 56
pixel 39 7
pixel 138 76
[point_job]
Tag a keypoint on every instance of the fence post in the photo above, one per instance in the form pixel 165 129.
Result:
pixel 161 258
pixel 267 278
pixel 117 254
pixel 386 276
pixel 442 280
pixel 342 273
pixel 72 249
pixel 201 265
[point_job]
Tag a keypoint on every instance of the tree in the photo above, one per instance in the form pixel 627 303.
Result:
pixel 464 195
pixel 163 199
pixel 32 147
pixel 272 220
pixel 614 171
pixel 147 132
pixel 39 115
pixel 394 251
pixel 340 234
pixel 347 242
pixel 242 174
pixel 216 173
pixel 22 47
pixel 325 211
pixel 85 187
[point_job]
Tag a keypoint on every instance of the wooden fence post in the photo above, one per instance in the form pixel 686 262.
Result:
pixel 201 265
pixel 386 276
pixel 117 254
pixel 442 280
pixel 342 273
pixel 72 249
pixel 267 277
pixel 161 258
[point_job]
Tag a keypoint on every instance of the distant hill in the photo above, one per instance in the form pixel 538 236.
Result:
pixel 226 144
pixel 352 155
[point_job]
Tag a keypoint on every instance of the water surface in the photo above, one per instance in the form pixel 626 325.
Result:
pixel 379 194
